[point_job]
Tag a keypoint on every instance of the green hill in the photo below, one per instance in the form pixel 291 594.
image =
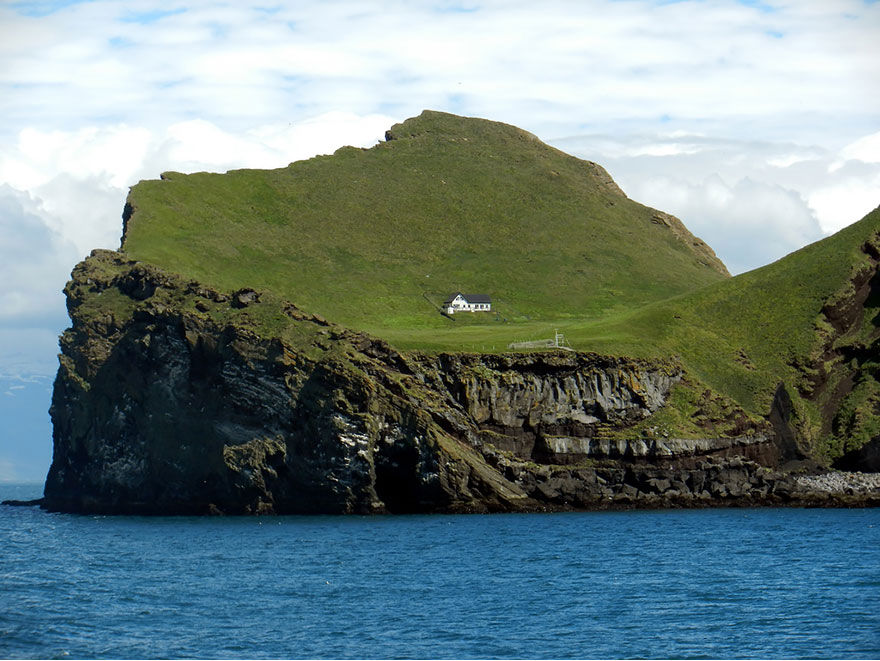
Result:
pixel 375 239
pixel 810 321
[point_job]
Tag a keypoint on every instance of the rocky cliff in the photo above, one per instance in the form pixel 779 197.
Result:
pixel 172 397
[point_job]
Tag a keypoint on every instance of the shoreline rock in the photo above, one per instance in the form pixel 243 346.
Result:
pixel 840 482
pixel 36 502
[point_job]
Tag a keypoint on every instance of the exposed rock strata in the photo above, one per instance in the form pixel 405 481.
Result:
pixel 174 398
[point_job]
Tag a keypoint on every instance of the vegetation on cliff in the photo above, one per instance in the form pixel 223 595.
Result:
pixel 173 397
pixel 810 321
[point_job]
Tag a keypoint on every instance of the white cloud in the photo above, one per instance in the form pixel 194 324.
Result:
pixel 753 202
pixel 34 259
pixel 842 202
pixel 664 149
pixel 852 187
pixel 76 179
pixel 86 212
pixel 749 223
pixel 866 149
pixel 786 160
pixel 199 144
pixel 537 65
pixel 112 152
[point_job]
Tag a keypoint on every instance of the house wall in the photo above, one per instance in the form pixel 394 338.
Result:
pixel 459 304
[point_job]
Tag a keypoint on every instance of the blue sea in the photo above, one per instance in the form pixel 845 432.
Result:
pixel 731 583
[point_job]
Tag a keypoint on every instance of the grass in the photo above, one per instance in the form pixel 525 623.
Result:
pixel 450 204
pixel 743 336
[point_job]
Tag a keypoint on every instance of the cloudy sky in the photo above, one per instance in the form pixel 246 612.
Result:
pixel 756 122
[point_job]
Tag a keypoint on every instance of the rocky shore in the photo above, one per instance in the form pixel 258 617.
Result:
pixel 841 483
pixel 734 483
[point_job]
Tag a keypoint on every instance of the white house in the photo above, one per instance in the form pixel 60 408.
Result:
pixel 459 302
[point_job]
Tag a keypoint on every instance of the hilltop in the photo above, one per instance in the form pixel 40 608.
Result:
pixel 376 238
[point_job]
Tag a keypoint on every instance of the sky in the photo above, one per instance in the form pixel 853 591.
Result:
pixel 757 122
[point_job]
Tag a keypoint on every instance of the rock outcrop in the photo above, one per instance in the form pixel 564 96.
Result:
pixel 175 398
pixel 840 373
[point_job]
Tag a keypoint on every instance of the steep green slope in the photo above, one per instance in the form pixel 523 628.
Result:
pixel 375 239
pixel 810 320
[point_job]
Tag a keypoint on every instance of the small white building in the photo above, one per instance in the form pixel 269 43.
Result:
pixel 459 302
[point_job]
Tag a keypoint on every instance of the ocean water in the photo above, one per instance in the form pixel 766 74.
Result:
pixel 735 583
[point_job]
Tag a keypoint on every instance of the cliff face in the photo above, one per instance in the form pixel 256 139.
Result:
pixel 841 373
pixel 174 398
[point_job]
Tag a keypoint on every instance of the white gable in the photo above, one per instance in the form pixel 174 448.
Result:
pixel 460 302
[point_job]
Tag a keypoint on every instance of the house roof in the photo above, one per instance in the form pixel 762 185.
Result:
pixel 470 298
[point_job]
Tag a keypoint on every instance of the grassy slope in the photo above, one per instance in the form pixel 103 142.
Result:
pixel 741 336
pixel 364 236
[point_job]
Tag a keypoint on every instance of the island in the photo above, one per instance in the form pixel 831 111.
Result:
pixel 273 341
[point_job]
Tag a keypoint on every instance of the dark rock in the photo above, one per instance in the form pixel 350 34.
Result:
pixel 780 417
pixel 23 503
pixel 659 485
pixel 244 297
pixel 865 459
